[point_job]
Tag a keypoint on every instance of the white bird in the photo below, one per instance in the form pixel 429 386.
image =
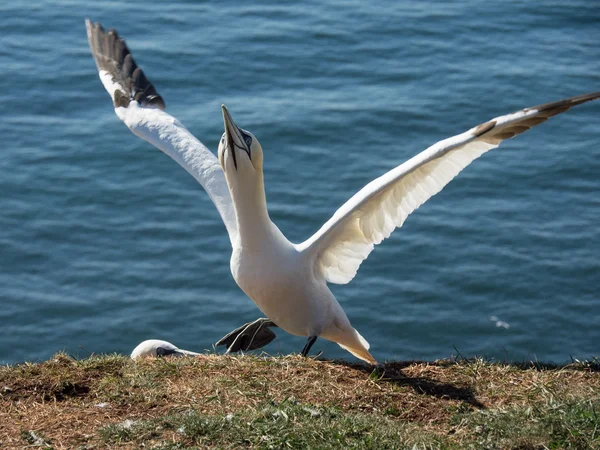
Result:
pixel 287 281
pixel 156 347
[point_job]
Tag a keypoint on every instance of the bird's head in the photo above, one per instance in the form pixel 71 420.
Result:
pixel 156 347
pixel 240 153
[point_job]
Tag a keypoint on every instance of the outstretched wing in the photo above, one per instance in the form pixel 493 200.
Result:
pixel 141 108
pixel 371 215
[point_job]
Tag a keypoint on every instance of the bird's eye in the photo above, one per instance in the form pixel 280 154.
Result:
pixel 248 140
pixel 162 351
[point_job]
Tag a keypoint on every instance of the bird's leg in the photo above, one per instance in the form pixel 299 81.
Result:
pixel 309 344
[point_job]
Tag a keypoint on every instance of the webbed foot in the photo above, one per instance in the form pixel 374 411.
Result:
pixel 250 336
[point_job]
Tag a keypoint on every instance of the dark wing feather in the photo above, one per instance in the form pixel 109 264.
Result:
pixel 488 133
pixel 250 336
pixel 113 56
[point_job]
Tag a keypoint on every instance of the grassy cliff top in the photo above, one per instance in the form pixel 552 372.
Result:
pixel 293 402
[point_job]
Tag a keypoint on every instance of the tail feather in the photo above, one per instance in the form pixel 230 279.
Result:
pixel 360 348
pixel 360 353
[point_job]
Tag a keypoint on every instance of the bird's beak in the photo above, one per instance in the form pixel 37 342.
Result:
pixel 233 135
pixel 181 352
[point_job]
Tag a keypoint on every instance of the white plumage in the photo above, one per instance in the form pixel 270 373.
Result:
pixel 288 282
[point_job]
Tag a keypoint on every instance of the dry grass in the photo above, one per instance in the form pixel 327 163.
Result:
pixel 298 402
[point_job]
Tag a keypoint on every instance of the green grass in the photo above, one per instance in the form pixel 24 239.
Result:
pixel 572 425
pixel 559 425
pixel 287 425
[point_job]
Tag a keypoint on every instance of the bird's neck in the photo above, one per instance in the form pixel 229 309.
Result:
pixel 254 225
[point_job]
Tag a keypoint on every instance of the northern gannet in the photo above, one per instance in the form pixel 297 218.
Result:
pixel 287 281
pixel 156 347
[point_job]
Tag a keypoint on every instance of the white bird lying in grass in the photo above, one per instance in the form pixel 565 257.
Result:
pixel 287 281
pixel 156 347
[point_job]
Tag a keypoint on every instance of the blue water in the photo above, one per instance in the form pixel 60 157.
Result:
pixel 105 241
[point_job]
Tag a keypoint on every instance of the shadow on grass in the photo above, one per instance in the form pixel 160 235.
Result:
pixel 391 372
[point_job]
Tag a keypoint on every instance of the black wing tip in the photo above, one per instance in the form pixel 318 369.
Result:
pixel 564 104
pixel 113 56
pixel 487 130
